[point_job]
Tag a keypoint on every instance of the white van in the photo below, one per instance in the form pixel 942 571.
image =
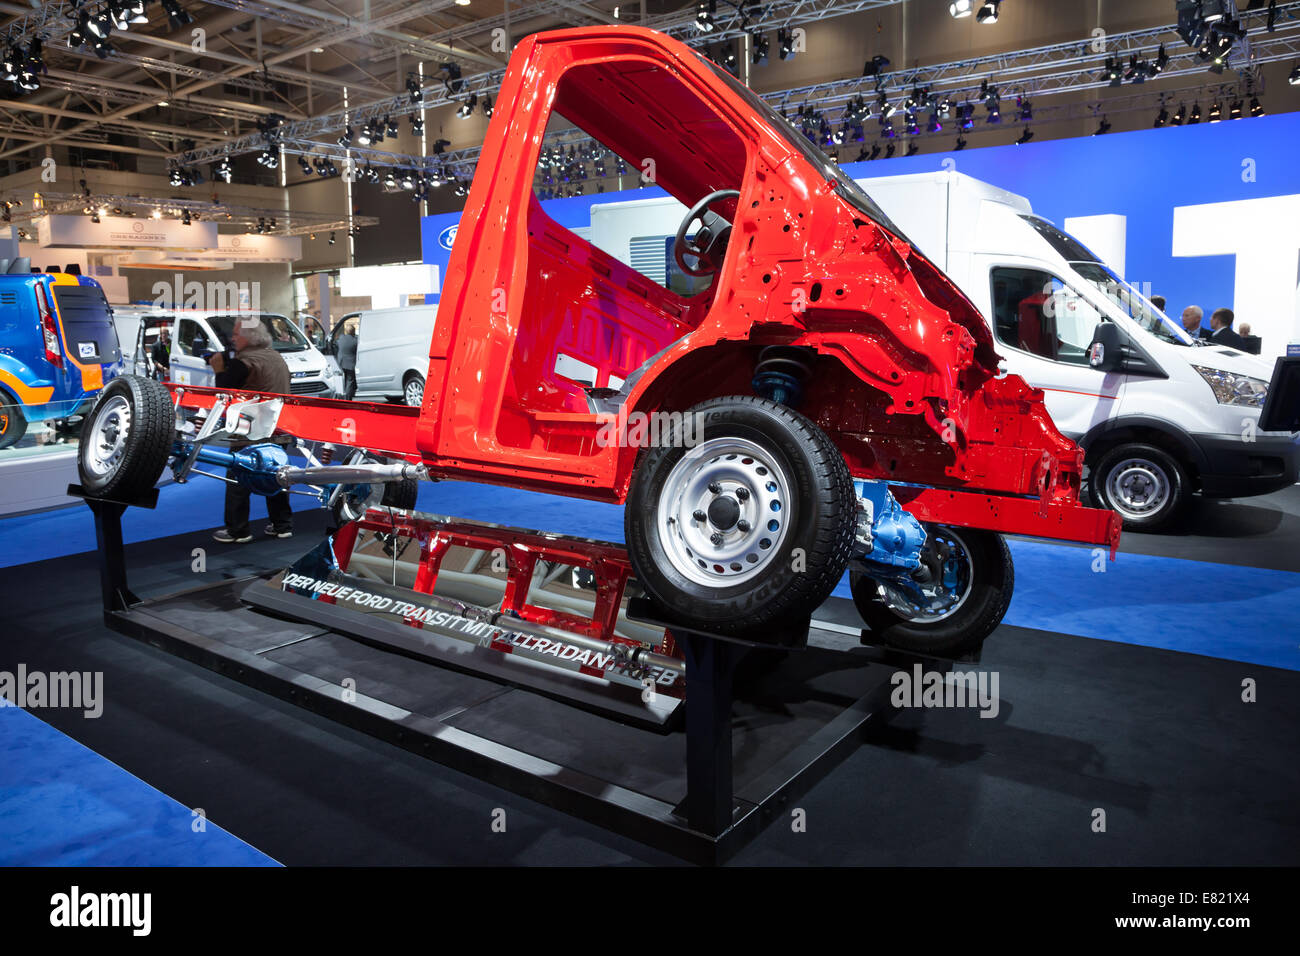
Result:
pixel 1163 417
pixel 392 353
pixel 197 334
pixel 1166 424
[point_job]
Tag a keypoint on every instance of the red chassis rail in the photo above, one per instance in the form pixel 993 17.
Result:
pixel 608 563
pixel 390 430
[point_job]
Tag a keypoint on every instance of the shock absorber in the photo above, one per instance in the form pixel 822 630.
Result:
pixel 781 372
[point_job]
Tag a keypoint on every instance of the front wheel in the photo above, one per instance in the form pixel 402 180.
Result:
pixel 951 603
pixel 1143 484
pixel 126 439
pixel 413 390
pixel 747 525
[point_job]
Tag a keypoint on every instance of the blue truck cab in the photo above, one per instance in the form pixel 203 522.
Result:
pixel 58 346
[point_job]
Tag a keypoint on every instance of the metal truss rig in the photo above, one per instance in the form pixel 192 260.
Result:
pixel 1040 71
pixel 436 93
pixel 287 223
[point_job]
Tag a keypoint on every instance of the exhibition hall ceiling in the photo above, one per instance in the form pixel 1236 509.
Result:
pixel 200 84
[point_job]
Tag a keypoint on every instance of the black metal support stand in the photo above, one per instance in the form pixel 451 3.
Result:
pixel 116 595
pixel 710 668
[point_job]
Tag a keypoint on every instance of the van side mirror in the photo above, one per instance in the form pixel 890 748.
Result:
pixel 1107 351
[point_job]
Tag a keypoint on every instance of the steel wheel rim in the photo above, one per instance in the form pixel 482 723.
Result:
pixel 108 437
pixel 944 599
pixel 415 392
pixel 1138 488
pixel 745 498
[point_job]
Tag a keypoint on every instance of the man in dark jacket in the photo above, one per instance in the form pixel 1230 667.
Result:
pixel 1221 331
pixel 256 367
pixel 346 355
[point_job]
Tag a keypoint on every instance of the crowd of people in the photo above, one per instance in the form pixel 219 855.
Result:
pixel 1220 331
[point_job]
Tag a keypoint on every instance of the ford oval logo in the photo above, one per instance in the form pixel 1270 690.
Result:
pixel 448 236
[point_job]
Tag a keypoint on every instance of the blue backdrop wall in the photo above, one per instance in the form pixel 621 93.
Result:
pixel 1145 176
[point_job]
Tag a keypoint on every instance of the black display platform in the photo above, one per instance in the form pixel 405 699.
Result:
pixel 794 716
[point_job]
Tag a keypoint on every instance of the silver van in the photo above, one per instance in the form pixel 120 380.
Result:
pixel 392 353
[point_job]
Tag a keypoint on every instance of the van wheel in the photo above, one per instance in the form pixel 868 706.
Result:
pixel 126 439
pixel 1143 484
pixel 749 527
pixel 953 602
pixel 413 390
pixel 13 423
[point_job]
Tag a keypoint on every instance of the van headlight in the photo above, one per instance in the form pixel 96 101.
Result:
pixel 1232 389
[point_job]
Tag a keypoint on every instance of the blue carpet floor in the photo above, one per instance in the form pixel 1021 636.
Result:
pixel 1229 611
pixel 61 804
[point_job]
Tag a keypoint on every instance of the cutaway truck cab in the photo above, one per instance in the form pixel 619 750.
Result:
pixel 818 393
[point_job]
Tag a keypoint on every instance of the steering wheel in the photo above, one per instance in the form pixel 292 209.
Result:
pixel 710 241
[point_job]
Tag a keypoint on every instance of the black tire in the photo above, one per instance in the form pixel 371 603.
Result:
pixel 145 445
pixel 813 508
pixel 13 423
pixel 401 494
pixel 1136 467
pixel 992 581
pixel 411 382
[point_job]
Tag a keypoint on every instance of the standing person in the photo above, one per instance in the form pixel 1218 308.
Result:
pixel 1221 330
pixel 1192 321
pixel 161 354
pixel 1252 343
pixel 256 367
pixel 346 354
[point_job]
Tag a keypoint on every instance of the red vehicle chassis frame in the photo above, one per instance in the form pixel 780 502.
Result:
pixel 903 375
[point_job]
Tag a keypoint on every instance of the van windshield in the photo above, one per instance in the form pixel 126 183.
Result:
pixel 1088 265
pixel 285 336
pixel 1132 303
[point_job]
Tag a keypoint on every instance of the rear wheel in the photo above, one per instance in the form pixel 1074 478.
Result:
pixel 126 439
pixel 413 390
pixel 1145 485
pixel 748 528
pixel 951 603
pixel 13 423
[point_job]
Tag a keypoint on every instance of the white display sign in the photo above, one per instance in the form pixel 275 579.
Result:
pixel 255 248
pixel 120 232
pixel 386 285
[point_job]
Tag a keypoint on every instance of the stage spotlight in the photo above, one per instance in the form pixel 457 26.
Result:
pixel 758 47
pixel 1234 111
pixel 1103 127
pixel 785 43
pixel 988 12
pixel 175 15
pixel 1196 114
pixel 1025 136
pixel 331 239
pixel 934 126
pixel 1160 62
pixel 304 165
pixel 391 125
pixel 960 8
pixel 466 109
pixel 705 13
pixel 1180 116
pixel 417 126
pixel 346 139
pixel 1216 114
pixel 1294 78
pixel 1256 108
pixel 875 66
pixel 890 149
pixel 1161 118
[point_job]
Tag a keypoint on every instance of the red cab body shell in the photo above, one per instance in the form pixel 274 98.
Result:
pixel 905 378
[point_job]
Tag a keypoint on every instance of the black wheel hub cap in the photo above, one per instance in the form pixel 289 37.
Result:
pixel 724 512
